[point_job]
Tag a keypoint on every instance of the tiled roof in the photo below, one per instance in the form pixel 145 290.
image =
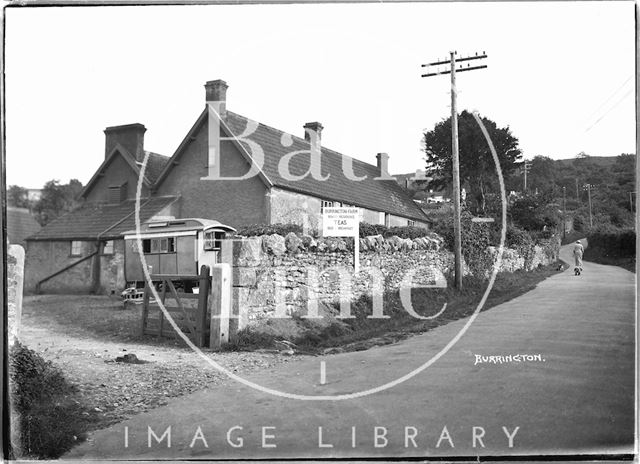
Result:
pixel 20 224
pixel 378 195
pixel 155 164
pixel 92 221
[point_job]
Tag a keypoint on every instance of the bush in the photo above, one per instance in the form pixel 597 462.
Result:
pixel 269 229
pixel 411 232
pixel 49 419
pixel 367 229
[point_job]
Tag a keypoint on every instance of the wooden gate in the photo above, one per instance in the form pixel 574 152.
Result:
pixel 188 310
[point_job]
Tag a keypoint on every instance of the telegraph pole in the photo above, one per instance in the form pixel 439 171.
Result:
pixel 527 166
pixel 588 189
pixel 564 212
pixel 457 236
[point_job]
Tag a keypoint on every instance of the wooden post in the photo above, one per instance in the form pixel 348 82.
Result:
pixel 564 212
pixel 145 308
pixel 220 305
pixel 161 314
pixel 457 238
pixel 590 215
pixel 203 301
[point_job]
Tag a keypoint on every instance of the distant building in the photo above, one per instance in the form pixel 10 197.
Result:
pixel 20 225
pixel 34 195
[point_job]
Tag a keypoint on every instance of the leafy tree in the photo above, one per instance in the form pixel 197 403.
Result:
pixel 477 168
pixel 57 199
pixel 18 196
pixel 536 212
pixel 542 175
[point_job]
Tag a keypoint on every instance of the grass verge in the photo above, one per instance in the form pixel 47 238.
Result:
pixel 47 417
pixel 362 332
pixel 597 256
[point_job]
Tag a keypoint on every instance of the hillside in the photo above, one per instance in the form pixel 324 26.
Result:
pixel 604 161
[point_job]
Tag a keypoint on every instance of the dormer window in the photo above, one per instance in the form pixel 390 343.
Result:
pixel 117 193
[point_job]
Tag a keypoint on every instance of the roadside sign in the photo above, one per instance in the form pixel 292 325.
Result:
pixel 482 219
pixel 343 222
pixel 340 222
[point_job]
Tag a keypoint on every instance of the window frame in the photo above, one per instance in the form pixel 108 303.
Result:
pixel 108 250
pixel 212 243
pixel 329 204
pixel 77 249
pixel 159 246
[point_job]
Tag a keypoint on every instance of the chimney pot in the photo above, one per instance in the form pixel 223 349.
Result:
pixel 216 94
pixel 313 127
pixel 130 136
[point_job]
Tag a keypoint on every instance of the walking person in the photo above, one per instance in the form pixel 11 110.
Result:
pixel 578 251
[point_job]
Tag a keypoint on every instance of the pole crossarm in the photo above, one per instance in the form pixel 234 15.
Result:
pixel 457 60
pixel 471 68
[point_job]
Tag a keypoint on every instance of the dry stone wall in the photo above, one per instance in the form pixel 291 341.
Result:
pixel 276 276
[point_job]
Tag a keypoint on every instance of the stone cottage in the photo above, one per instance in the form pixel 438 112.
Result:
pixel 83 250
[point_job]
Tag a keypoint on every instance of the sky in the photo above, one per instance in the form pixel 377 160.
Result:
pixel 560 75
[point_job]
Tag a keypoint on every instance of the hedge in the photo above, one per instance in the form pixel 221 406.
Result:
pixel 366 229
pixel 615 243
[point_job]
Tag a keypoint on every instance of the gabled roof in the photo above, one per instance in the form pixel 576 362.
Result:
pixel 20 224
pixel 94 221
pixel 155 164
pixel 378 195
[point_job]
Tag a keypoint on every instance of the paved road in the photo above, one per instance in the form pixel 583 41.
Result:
pixel 579 398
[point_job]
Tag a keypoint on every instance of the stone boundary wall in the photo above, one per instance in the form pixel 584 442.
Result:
pixel 15 279
pixel 276 275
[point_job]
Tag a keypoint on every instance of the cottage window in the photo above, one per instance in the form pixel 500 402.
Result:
pixel 411 223
pixel 329 204
pixel 159 245
pixel 213 240
pixel 107 249
pixel 76 248
pixel 387 220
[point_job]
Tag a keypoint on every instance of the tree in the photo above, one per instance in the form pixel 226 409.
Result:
pixel 536 212
pixel 542 174
pixel 57 199
pixel 477 168
pixel 18 196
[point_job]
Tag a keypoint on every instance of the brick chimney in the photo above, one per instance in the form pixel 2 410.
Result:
pixel 217 95
pixel 383 164
pixel 130 136
pixel 311 128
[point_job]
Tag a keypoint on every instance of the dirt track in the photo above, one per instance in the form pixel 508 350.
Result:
pixel 66 329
